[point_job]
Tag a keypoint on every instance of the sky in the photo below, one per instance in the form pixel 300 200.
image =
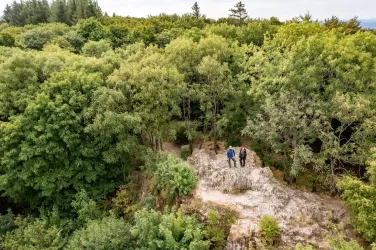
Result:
pixel 283 9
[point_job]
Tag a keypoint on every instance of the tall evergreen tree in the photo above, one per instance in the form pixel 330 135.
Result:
pixel 239 12
pixel 59 12
pixel 37 11
pixel 6 13
pixel 196 11
pixel 72 11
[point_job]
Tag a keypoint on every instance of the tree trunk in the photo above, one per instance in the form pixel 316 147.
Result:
pixel 332 178
pixel 205 130
pixel 156 144
pixel 215 127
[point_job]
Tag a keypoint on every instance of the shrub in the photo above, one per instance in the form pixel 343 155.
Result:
pixel 6 39
pixel 173 177
pixel 92 29
pixel 108 233
pixel 96 49
pixel 62 42
pixel 218 227
pixel 339 243
pixel 301 247
pixel 36 38
pixel 6 222
pixel 361 200
pixel 269 229
pixel 123 203
pixel 148 202
pixel 33 234
pixel 154 230
pixel 75 40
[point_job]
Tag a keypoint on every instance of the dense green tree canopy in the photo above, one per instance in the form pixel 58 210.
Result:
pixel 88 101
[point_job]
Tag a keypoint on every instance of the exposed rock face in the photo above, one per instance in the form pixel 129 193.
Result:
pixel 304 217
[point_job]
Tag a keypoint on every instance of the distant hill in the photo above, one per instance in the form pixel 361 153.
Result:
pixel 368 23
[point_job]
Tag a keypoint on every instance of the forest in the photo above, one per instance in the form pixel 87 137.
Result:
pixel 88 100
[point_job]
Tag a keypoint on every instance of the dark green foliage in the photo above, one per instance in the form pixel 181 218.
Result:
pixel 53 147
pixel 40 11
pixel 59 12
pixel 107 233
pixel 27 12
pixel 76 40
pixel 6 223
pixel 155 230
pixel 6 39
pixel 173 178
pixel 76 128
pixel 348 27
pixel 239 13
pixel 36 38
pixel 92 29
pixel 34 234
pixel 196 11
pixel 217 228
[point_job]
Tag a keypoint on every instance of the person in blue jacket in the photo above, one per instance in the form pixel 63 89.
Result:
pixel 231 156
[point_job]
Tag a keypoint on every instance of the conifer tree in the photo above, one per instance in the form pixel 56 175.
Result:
pixel 6 14
pixel 239 12
pixel 59 12
pixel 196 11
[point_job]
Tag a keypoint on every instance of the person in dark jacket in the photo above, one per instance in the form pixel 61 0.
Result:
pixel 231 156
pixel 242 156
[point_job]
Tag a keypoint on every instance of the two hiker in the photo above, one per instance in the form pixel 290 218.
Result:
pixel 231 156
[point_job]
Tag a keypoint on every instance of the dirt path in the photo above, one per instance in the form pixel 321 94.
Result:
pixel 304 217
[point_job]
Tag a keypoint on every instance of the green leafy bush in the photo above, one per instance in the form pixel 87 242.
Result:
pixel 123 204
pixel 62 42
pixel 301 247
pixel 339 243
pixel 217 228
pixel 92 29
pixel 93 48
pixel 33 234
pixel 173 177
pixel 361 201
pixel 36 38
pixel 269 229
pixel 6 39
pixel 108 233
pixel 6 222
pixel 156 230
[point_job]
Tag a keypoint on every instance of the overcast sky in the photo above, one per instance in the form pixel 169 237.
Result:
pixel 283 9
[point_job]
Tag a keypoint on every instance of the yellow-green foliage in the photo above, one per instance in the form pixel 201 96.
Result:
pixel 302 247
pixel 361 201
pixel 217 228
pixel 269 229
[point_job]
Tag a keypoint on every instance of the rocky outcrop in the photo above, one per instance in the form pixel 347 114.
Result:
pixel 304 217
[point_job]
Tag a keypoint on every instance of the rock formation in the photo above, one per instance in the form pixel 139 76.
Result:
pixel 304 217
